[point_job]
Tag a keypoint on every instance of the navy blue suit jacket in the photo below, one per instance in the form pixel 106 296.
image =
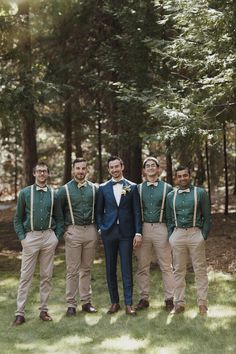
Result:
pixel 128 212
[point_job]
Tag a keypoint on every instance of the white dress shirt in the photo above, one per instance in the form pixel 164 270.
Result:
pixel 117 190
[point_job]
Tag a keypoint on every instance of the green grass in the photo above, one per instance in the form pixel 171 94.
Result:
pixel 152 331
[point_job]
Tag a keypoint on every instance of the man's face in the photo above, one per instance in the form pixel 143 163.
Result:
pixel 115 168
pixel 183 178
pixel 151 169
pixel 41 175
pixel 80 170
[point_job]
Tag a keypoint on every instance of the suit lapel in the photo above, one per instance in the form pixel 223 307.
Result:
pixel 126 183
pixel 111 192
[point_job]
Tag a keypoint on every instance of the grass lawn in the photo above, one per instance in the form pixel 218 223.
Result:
pixel 152 331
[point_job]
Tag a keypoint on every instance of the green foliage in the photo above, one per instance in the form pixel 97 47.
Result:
pixel 147 71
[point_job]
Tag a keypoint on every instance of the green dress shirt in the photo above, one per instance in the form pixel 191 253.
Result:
pixel 152 201
pixel 82 203
pixel 184 206
pixel 41 212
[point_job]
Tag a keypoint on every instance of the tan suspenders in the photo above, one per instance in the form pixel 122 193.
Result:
pixel 32 207
pixel 69 201
pixel 195 207
pixel 140 189
pixel 163 202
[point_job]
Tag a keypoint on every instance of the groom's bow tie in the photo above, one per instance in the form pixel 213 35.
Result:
pixel 44 189
pixel 152 184
pixel 121 181
pixel 187 190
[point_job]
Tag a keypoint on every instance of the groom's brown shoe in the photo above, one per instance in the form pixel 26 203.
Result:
pixel 113 309
pixel 129 310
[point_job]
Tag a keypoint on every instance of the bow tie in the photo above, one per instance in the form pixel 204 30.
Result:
pixel 82 184
pixel 152 184
pixel 44 189
pixel 187 190
pixel 121 181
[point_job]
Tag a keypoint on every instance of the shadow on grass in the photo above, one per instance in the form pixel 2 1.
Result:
pixel 152 331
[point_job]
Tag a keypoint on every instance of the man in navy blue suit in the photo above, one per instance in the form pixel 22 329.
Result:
pixel 118 216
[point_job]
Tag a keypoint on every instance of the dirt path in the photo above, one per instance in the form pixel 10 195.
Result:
pixel 220 247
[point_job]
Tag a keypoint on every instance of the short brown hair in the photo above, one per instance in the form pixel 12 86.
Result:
pixel 113 158
pixel 78 159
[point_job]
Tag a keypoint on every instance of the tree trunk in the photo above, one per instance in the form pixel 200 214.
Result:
pixel 15 170
pixel 27 111
pixel 100 150
pixel 169 163
pixel 68 140
pixel 235 159
pixel 225 169
pixel 208 170
pixel 136 161
pixel 77 143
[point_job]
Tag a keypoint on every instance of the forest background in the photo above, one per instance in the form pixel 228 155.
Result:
pixel 133 78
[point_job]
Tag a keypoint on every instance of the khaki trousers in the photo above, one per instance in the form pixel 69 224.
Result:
pixel 185 242
pixel 36 245
pixel 80 244
pixel 154 237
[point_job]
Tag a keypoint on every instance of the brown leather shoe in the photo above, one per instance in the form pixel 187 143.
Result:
pixel 177 310
pixel 169 305
pixel 203 310
pixel 19 320
pixel 113 309
pixel 143 304
pixel 129 310
pixel 89 308
pixel 45 316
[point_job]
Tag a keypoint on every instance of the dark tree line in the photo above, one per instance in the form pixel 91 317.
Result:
pixel 131 78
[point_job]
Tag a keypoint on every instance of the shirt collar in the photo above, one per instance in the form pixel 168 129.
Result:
pixel 84 184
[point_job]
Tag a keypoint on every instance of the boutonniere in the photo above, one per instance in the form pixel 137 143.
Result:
pixel 126 189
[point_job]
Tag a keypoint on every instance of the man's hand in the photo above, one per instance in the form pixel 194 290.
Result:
pixel 137 241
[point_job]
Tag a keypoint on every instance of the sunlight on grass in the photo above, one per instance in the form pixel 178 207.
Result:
pixel 123 342
pixel 152 315
pixel 98 261
pixel 61 346
pixel 24 346
pixel 220 311
pixel 114 318
pixel 218 276
pixel 58 261
pixel 170 350
pixel 92 320
pixel 9 282
pixel 76 340
pixel 3 298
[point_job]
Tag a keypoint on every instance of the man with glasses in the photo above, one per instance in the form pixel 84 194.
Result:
pixel 153 194
pixel 36 226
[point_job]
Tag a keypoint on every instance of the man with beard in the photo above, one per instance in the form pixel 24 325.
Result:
pixel 188 222
pixel 77 201
pixel 118 217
